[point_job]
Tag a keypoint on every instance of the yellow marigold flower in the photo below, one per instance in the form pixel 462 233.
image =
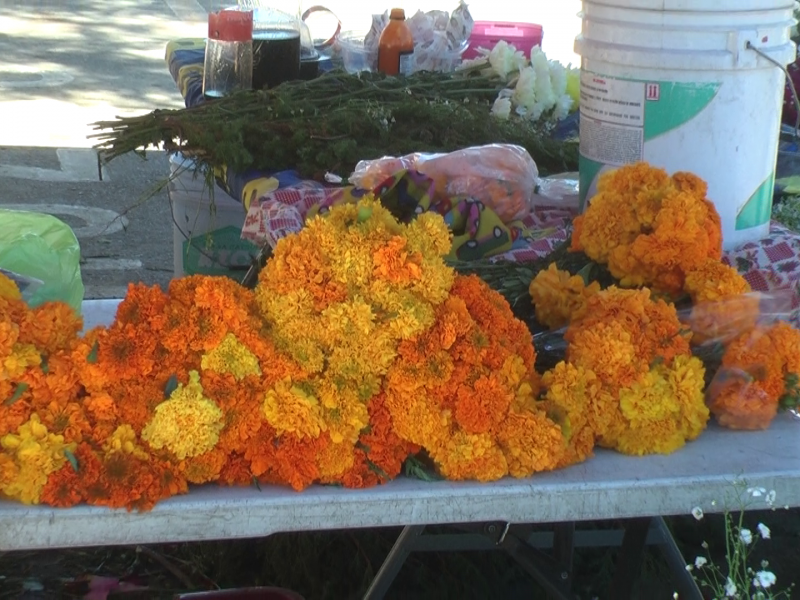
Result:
pixel 345 413
pixel 9 289
pixel 558 296
pixel 293 409
pixel 687 380
pixel 334 460
pixel 429 235
pixel 22 356
pixel 233 357
pixel 187 423
pixel 664 410
pixel 36 454
pixel 463 456
pixel 124 440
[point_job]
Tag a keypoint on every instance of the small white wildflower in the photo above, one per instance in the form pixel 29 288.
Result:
pixel 764 531
pixel 700 562
pixel 746 536
pixel 697 513
pixel 501 108
pixel 689 568
pixel 730 588
pixel 764 564
pixel 764 579
pixel 756 492
pixel 713 503
pixel 704 545
pixel 770 499
pixel 675 596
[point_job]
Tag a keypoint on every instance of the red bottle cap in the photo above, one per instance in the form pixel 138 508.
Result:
pixel 231 25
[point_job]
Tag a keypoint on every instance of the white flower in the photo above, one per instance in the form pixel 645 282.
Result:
pixel 704 545
pixel 764 531
pixel 730 588
pixel 563 106
pixel 524 93
pixel 543 88
pixel 746 536
pixel 764 579
pixel 501 108
pixel 558 78
pixel 770 499
pixel 756 492
pixel 689 568
pixel 764 564
pixel 505 59
pixel 700 562
pixel 697 513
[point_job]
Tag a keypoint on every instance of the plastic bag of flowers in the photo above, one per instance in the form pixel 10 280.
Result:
pixel 759 372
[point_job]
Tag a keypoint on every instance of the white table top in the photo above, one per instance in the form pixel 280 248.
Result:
pixel 607 486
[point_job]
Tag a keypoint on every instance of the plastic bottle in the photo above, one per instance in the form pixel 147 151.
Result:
pixel 396 45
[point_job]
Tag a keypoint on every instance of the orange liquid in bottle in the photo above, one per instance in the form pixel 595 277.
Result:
pixel 396 45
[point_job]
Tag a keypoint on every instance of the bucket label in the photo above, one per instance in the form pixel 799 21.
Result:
pixel 219 252
pixel 620 116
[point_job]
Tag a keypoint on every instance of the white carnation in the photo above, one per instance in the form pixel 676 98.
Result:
pixel 525 91
pixel 505 59
pixel 563 107
pixel 502 108
pixel 545 96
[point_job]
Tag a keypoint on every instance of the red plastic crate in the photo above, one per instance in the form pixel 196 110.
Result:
pixel 485 34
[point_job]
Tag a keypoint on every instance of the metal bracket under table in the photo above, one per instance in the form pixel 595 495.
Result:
pixel 551 570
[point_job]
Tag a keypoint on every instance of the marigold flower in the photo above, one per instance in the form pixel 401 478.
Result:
pixel 187 423
pixel 558 296
pixel 723 306
pixel 293 408
pixel 9 289
pixel 231 356
pixel 648 228
pixel 754 376
pixel 36 453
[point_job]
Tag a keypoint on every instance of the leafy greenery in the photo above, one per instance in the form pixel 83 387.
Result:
pixel 332 122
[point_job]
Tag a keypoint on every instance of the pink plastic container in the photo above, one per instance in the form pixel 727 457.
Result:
pixel 485 34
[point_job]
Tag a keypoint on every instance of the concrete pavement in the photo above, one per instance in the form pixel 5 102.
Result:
pixel 65 64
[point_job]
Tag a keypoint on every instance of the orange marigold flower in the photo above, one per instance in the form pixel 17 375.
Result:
pixel 205 467
pixel 757 369
pixel 236 471
pixel 531 442
pixel 51 327
pixel 737 403
pixel 723 305
pixel 481 407
pixel 558 296
pixel 63 488
pixel 648 228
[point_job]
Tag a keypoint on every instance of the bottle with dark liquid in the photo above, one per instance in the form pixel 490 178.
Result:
pixel 276 48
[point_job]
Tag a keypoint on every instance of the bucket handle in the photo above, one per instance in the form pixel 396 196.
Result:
pixel 315 9
pixel 749 45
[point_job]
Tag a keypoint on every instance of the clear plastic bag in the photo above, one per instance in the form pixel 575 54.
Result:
pixel 759 354
pixel 42 250
pixel 501 176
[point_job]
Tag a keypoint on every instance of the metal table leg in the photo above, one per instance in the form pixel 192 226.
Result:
pixel 687 586
pixel 394 562
pixel 630 558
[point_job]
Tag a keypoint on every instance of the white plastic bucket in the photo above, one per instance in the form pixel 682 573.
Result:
pixel 206 233
pixel 676 83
